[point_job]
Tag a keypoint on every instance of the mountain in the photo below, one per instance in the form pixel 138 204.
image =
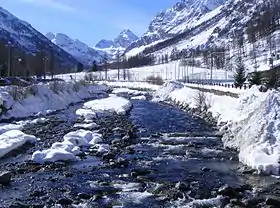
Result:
pixel 121 42
pixel 21 36
pixel 105 44
pixel 125 38
pixel 197 25
pixel 182 16
pixel 81 51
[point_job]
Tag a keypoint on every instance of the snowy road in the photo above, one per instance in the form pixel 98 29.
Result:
pixel 155 156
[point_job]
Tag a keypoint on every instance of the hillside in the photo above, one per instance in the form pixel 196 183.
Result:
pixel 26 41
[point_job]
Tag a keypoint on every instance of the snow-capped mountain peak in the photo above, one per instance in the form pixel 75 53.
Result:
pixel 120 43
pixel 81 51
pixel 125 38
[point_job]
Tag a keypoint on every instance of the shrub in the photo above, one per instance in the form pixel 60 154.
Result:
pixel 157 80
pixel 56 86
pixel 17 93
pixel 77 85
pixel 255 79
pixel 201 101
pixel 30 90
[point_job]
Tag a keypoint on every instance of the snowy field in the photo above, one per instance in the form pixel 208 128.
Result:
pixel 169 71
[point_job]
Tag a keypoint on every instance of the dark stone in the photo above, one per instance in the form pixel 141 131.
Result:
pixel 65 201
pixel 108 156
pixel 5 178
pixel 273 201
pixel 182 186
pixel 228 191
pixel 18 205
pixel 116 141
pixel 84 196
pixel 138 172
pixel 122 162
pixel 205 169
pixel 68 174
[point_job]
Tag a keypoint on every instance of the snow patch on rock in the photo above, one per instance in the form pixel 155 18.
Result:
pixel 105 106
pixel 12 140
pixel 72 145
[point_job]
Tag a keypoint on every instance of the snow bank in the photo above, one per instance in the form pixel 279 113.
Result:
pixel 252 123
pixel 105 106
pixel 43 98
pixel 142 97
pixel 73 144
pixel 163 93
pixel 13 139
pixel 255 130
pixel 128 91
pixel 131 85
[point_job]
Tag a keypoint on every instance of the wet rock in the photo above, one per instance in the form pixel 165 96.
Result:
pixel 68 174
pixel 205 169
pixel 246 170
pixel 139 172
pixel 116 142
pixel 18 205
pixel 64 201
pixel 122 162
pixel 236 202
pixel 273 201
pixel 182 186
pixel 84 196
pixel 5 178
pixel 253 202
pixel 229 191
pixel 108 156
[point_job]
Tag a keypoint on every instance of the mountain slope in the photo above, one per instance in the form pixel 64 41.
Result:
pixel 22 36
pixel 182 16
pixel 81 51
pixel 224 27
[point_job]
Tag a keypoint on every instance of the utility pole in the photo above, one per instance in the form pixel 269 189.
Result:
pixel 45 66
pixel 211 69
pixel 9 60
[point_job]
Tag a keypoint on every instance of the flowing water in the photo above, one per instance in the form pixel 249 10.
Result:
pixel 172 160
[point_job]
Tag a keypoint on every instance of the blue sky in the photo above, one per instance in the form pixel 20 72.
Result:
pixel 87 20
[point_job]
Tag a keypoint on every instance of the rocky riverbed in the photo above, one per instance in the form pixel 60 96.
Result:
pixel 156 156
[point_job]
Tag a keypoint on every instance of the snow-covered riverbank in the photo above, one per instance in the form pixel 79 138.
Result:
pixel 250 123
pixel 44 98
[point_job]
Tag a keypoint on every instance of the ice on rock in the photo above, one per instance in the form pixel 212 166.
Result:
pixel 12 140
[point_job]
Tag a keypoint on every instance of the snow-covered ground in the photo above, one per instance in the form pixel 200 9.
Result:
pixel 44 98
pixel 169 71
pixel 251 121
pixel 216 87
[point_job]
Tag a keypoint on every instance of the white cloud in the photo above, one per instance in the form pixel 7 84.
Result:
pixel 54 4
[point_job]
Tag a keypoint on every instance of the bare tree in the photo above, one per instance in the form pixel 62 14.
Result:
pixel 118 56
